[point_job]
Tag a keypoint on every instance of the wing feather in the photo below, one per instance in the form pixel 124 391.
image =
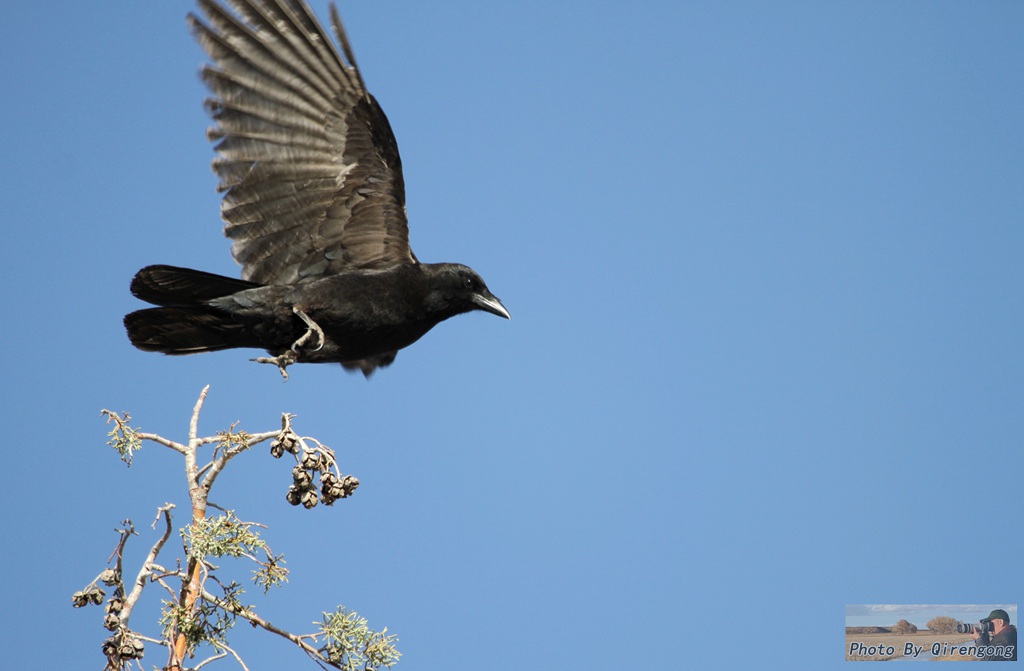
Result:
pixel 307 162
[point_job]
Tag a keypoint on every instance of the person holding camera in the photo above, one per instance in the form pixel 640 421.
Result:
pixel 1003 634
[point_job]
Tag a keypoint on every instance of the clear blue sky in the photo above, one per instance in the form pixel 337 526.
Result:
pixel 764 264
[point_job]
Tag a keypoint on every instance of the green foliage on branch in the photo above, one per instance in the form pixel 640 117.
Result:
pixel 123 437
pixel 352 646
pixel 203 607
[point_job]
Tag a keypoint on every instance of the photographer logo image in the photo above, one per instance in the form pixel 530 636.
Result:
pixel 932 632
pixel 994 637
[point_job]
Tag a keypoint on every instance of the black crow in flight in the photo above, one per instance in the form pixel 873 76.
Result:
pixel 314 201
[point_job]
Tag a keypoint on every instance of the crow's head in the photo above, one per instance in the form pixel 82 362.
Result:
pixel 456 288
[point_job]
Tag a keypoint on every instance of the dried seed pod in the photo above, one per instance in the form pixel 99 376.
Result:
pixel 312 460
pixel 334 490
pixel 350 483
pixel 331 493
pixel 112 621
pixel 92 595
pixel 294 495
pixel 329 488
pixel 286 442
pixel 310 498
pixel 303 478
pixel 290 440
pixel 110 646
pixel 130 648
pixel 110 577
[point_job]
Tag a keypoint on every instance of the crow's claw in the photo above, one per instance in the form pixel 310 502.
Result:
pixel 313 329
pixel 282 361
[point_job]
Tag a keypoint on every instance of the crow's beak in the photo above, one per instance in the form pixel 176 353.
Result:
pixel 489 303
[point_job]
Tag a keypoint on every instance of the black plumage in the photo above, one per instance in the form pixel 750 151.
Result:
pixel 314 202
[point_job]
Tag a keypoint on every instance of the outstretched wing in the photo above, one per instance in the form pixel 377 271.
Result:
pixel 308 164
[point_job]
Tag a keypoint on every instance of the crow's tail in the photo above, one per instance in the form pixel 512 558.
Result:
pixel 185 323
pixel 172 287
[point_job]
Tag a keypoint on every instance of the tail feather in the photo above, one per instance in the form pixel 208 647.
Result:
pixel 169 286
pixel 185 330
pixel 185 323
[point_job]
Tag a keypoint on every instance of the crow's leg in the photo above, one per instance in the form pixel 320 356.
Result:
pixel 282 361
pixel 313 329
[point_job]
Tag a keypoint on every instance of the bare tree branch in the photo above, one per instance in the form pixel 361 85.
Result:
pixel 258 621
pixel 160 440
pixel 147 566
